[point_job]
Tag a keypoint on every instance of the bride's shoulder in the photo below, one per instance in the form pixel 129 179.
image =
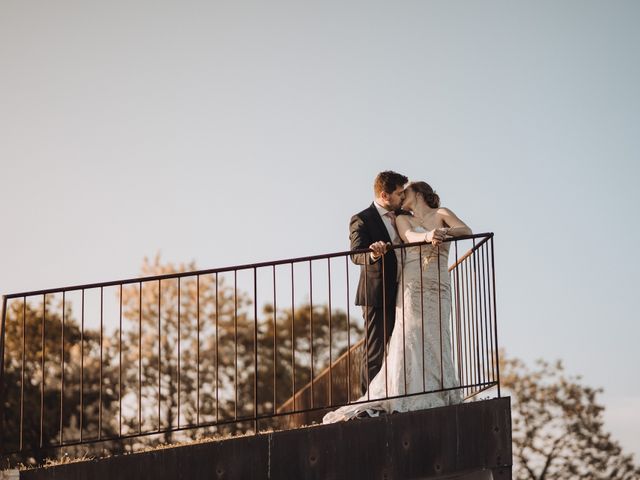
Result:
pixel 405 218
pixel 447 216
pixel 443 211
pixel 404 215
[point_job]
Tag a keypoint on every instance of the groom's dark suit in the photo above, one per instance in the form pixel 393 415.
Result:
pixel 376 289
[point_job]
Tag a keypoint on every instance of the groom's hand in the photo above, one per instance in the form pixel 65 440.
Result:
pixel 378 249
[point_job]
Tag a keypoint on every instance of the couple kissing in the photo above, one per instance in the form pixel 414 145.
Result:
pixel 405 296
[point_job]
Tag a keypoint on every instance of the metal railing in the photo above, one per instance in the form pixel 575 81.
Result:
pixel 158 359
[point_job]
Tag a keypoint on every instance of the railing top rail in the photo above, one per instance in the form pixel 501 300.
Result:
pixel 210 271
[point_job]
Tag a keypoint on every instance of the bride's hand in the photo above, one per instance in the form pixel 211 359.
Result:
pixel 445 232
pixel 435 236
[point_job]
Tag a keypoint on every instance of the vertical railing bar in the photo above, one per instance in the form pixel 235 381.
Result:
pixel 460 345
pixel 2 379
pixel 44 316
pixel 480 328
pixel 198 350
pixel 465 321
pixel 384 331
pixel 470 331
pixel 459 336
pixel 454 326
pixel 61 438
pixel 495 320
pixel 478 333
pixel 293 338
pixel 487 306
pixel 330 335
pixel 478 289
pixel 159 354
pixel 424 370
pixel 82 365
pixel 24 348
pixel 255 348
pixel 452 329
pixel 275 344
pixel 101 361
pixel 179 351
pixel 404 343
pixel 366 323
pixel 346 262
pixel 483 313
pixel 140 357
pixel 235 340
pixel 476 313
pixel 492 316
pixel 440 319
pixel 311 331
pixel 474 325
pixel 119 373
pixel 217 354
pixel 472 318
pixel 487 287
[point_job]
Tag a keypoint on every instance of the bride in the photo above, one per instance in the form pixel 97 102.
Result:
pixel 419 357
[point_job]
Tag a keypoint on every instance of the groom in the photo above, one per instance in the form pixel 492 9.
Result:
pixel 375 228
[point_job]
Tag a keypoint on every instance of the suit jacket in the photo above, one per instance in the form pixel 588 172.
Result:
pixel 366 228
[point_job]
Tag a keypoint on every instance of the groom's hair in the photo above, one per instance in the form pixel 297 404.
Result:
pixel 388 181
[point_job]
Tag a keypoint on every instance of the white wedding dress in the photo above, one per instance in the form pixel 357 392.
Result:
pixel 419 355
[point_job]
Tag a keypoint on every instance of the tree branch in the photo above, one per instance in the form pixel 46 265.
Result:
pixel 550 457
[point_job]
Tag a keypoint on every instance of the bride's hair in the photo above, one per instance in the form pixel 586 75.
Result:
pixel 428 194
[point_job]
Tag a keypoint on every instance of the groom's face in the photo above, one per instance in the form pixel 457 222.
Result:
pixel 394 199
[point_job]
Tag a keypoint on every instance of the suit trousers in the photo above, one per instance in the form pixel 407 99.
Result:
pixel 377 336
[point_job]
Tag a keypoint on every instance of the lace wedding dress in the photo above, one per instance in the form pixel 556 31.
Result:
pixel 419 355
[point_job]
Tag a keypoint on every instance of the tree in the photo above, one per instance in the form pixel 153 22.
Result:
pixel 214 324
pixel 192 384
pixel 184 353
pixel 558 427
pixel 45 412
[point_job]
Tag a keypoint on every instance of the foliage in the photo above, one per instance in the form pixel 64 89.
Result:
pixel 68 411
pixel 185 352
pixel 219 376
pixel 558 426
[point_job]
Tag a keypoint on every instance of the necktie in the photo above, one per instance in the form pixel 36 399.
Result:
pixel 392 216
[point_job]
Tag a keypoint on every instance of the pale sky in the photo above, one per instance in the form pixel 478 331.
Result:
pixel 240 131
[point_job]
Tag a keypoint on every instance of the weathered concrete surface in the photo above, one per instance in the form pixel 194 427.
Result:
pixel 469 441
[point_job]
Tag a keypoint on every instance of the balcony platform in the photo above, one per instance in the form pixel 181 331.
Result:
pixel 471 441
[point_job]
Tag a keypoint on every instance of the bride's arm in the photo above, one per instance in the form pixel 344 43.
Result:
pixel 404 229
pixel 409 236
pixel 454 226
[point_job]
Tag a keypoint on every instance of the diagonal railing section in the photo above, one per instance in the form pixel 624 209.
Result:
pixel 110 367
pixel 474 341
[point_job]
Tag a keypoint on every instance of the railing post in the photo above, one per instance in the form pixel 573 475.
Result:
pixel 255 350
pixel 495 316
pixel 2 341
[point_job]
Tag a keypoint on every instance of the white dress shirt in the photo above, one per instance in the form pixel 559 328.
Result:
pixel 393 233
